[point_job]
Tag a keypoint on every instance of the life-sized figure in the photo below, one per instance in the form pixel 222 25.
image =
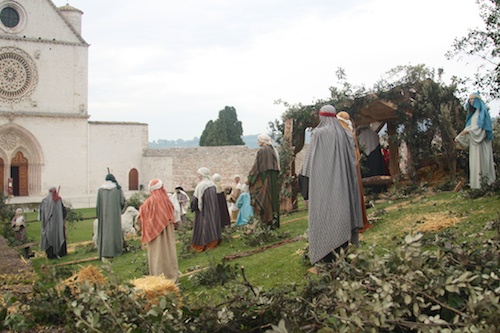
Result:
pixel 369 145
pixel 157 224
pixel 329 181
pixel 233 197
pixel 221 197
pixel 183 200
pixel 244 206
pixel 52 214
pixel 345 120
pixel 110 202
pixel 18 224
pixel 264 185
pixel 205 205
pixel 476 137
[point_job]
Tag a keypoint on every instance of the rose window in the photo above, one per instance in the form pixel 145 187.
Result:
pixel 17 75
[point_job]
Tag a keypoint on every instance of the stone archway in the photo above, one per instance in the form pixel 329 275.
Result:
pixel 23 158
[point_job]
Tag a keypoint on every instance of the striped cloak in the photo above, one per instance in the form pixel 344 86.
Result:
pixel 332 186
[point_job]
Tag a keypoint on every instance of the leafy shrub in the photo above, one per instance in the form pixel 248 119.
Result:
pixel 259 233
pixel 428 284
pixel 215 274
pixel 136 199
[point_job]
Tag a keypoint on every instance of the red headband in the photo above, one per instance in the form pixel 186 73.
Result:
pixel 328 114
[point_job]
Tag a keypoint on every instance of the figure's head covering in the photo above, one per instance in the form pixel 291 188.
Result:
pixel 155 184
pixel 204 172
pixel 179 188
pixel 205 183
pixel 156 212
pixel 328 110
pixel 19 211
pixel 344 115
pixel 236 176
pixel 483 119
pixel 264 138
pixel 267 140
pixel 216 178
pixel 53 192
pixel 111 178
pixel 345 118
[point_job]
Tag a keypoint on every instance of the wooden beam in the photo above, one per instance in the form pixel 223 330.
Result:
pixel 23 246
pixel 75 262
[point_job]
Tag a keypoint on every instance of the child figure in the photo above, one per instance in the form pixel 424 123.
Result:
pixel 18 223
pixel 244 206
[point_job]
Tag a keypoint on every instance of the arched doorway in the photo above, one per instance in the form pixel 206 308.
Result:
pixel 22 158
pixel 19 174
pixel 133 180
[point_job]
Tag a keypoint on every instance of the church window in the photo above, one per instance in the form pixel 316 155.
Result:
pixel 9 17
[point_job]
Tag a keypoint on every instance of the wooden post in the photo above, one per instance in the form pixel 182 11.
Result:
pixel 289 203
pixel 393 151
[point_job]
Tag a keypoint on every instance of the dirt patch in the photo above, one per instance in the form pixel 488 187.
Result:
pixel 16 273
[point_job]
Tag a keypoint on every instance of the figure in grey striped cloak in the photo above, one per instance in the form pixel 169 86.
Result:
pixel 329 181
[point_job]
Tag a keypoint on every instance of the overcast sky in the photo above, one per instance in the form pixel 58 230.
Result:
pixel 176 64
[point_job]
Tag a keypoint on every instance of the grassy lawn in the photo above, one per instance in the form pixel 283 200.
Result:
pixel 285 264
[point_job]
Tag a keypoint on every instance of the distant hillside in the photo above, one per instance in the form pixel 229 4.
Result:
pixel 250 142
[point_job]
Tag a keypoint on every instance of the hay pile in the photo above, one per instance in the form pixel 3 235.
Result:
pixel 437 221
pixel 88 274
pixel 153 287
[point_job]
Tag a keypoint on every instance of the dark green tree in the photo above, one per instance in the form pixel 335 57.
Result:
pixel 225 131
pixel 483 44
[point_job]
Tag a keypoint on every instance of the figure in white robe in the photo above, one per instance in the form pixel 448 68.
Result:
pixel 476 137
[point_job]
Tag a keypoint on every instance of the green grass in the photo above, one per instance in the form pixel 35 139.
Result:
pixel 285 264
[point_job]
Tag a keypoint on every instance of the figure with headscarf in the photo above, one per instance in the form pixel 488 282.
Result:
pixel 476 137
pixel 233 197
pixel 52 214
pixel 18 224
pixel 369 145
pixel 345 120
pixel 207 232
pixel 245 211
pixel 263 181
pixel 183 200
pixel 157 219
pixel 329 181
pixel 110 202
pixel 225 220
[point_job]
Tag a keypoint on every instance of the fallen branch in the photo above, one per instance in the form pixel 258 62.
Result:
pixel 74 262
pixel 377 180
pixel 262 249
pixel 23 246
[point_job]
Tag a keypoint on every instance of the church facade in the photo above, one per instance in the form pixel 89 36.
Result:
pixel 46 138
pixel 46 135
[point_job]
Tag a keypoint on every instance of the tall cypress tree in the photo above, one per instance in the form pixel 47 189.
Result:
pixel 225 131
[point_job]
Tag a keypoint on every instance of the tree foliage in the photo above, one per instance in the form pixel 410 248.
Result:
pixel 430 115
pixel 485 44
pixel 225 131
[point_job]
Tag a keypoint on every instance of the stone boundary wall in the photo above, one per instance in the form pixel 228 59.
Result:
pixel 224 160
